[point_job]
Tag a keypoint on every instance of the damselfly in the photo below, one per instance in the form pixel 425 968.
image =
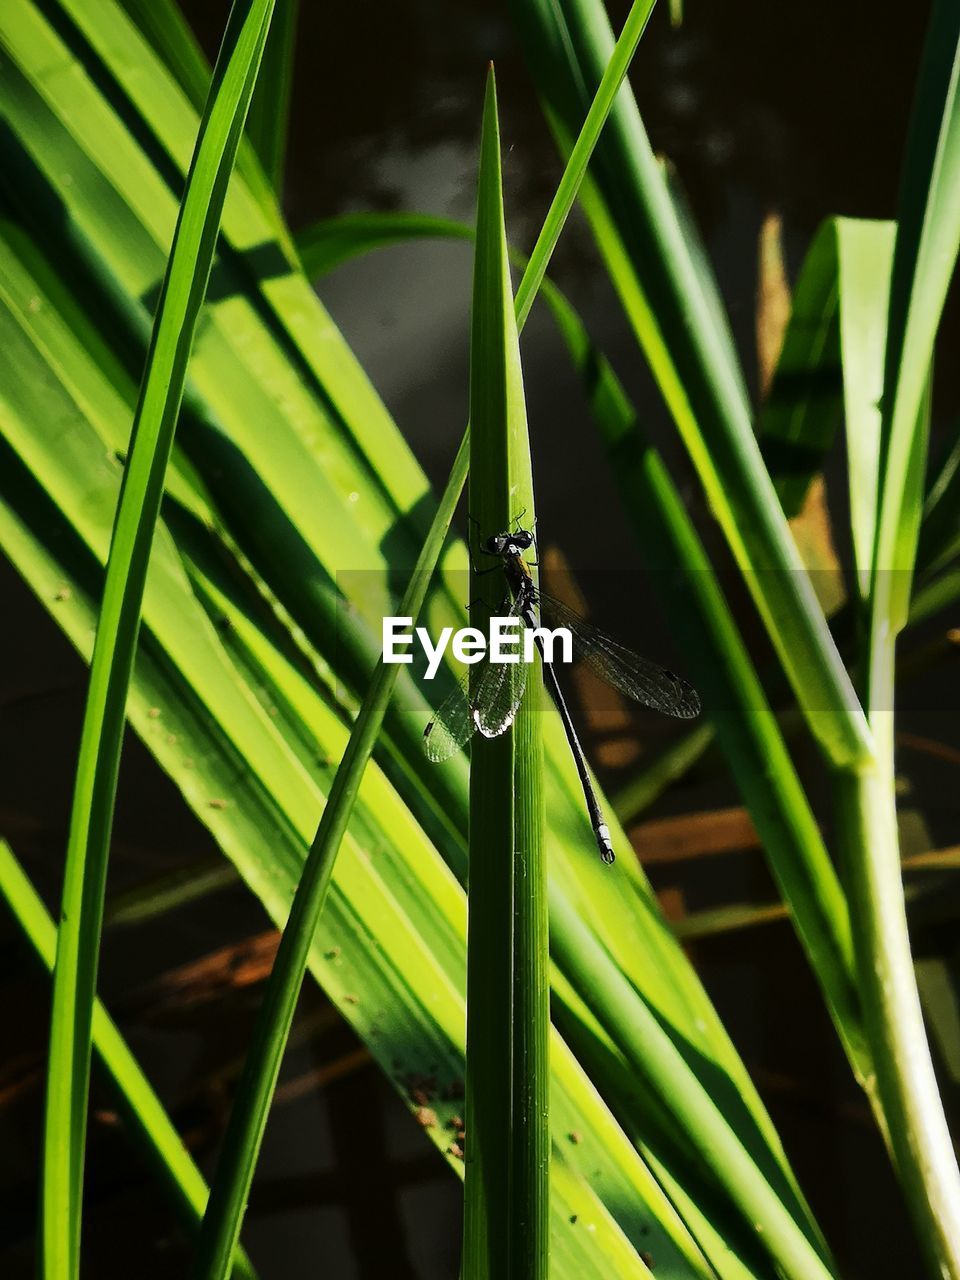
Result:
pixel 498 688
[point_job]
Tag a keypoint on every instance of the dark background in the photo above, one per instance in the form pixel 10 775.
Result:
pixel 801 110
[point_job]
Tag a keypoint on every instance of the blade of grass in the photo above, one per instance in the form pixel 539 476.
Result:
pixel 802 409
pixel 269 116
pixel 933 597
pixel 641 1039
pixel 926 251
pixel 706 278
pixel 741 716
pixel 610 85
pixel 181 297
pixel 144 1111
pixel 940 535
pixel 730 1244
pixel 251 1108
pixel 864 256
pixel 925 254
pixel 327 243
pixel 753 744
pixel 672 764
pixel 162 22
pixel 507 1174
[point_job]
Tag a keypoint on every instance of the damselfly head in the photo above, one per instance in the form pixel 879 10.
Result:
pixel 509 544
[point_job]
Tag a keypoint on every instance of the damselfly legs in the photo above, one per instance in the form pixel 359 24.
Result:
pixel 489 703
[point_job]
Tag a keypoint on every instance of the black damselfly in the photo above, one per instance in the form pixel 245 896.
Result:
pixel 498 689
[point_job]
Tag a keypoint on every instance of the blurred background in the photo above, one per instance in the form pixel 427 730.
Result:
pixel 773 116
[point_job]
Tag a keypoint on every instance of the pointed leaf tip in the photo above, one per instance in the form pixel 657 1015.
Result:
pixel 491 83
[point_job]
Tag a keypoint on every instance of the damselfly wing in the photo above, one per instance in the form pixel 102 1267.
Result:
pixel 635 677
pixel 497 692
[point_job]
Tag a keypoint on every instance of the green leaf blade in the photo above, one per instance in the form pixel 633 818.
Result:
pixel 269 117
pixel 924 259
pixel 506 1190
pixel 98 764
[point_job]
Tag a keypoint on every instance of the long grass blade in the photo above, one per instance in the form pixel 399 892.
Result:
pixel 864 254
pixel 925 255
pixel 165 26
pixel 237 1162
pixel 269 117
pixel 91 816
pixel 506 1184
pixel 640 1038
pixel 801 412
pixel 926 252
pixel 940 535
pixel 327 243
